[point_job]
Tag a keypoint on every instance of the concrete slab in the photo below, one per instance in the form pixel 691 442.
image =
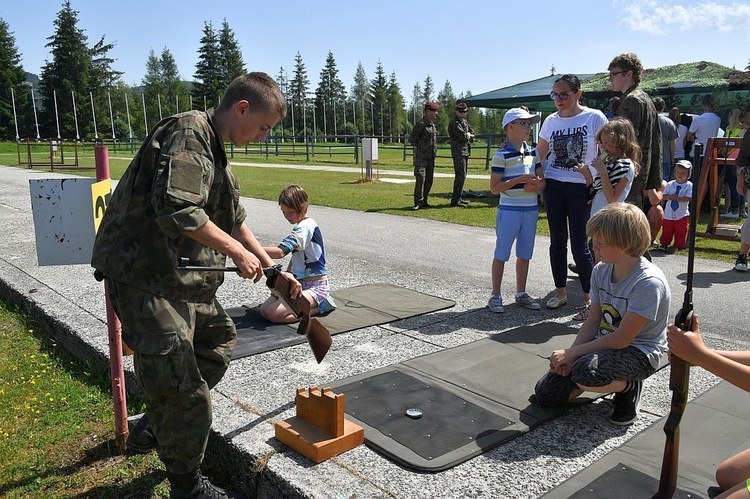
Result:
pixel 442 259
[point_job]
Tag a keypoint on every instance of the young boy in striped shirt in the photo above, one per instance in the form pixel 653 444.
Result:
pixel 516 177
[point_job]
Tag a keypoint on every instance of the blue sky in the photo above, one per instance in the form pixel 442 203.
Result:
pixel 478 45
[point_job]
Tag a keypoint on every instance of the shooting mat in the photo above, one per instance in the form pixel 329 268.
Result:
pixel 714 427
pixel 472 397
pixel 357 307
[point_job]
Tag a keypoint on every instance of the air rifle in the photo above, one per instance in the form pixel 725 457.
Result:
pixel 679 376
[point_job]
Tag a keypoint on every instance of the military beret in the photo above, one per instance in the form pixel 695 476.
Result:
pixel 432 106
pixel 462 106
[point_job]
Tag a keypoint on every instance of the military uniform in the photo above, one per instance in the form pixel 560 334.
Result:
pixel 182 338
pixel 461 135
pixel 424 139
pixel 637 106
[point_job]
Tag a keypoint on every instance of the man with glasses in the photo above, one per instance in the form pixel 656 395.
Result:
pixel 461 135
pixel 424 139
pixel 625 76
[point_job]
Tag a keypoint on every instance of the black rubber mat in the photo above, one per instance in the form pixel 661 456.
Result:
pixel 445 422
pixel 472 397
pixel 714 428
pixel 357 307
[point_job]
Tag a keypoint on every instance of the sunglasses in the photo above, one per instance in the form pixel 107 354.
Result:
pixel 615 73
pixel 524 124
pixel 560 96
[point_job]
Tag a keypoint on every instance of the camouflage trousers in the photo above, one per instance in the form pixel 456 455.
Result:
pixel 182 350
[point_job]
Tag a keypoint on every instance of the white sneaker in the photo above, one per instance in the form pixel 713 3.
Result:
pixel 527 302
pixel 495 304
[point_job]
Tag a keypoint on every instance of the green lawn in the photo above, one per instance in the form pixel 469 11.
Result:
pixel 346 190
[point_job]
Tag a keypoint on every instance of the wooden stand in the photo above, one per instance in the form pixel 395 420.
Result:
pixel 709 182
pixel 319 431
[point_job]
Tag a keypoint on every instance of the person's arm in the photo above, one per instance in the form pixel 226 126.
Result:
pixel 560 361
pixel 733 367
pixel 542 150
pixel 498 185
pixel 622 337
pixel 249 261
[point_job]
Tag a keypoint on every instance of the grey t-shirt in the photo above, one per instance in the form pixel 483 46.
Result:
pixel 644 292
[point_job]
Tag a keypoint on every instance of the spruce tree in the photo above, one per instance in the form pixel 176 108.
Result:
pixel 209 78
pixel 231 55
pixel 330 98
pixel 379 98
pixel 298 88
pixel 360 96
pixel 12 76
pixel 395 108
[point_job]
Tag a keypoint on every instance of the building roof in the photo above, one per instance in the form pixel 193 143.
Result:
pixel 679 82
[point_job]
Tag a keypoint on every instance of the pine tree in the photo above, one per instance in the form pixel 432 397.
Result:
pixel 429 88
pixel 65 78
pixel 175 92
pixel 447 101
pixel 379 99
pixel 282 80
pixel 298 88
pixel 330 98
pixel 231 55
pixel 417 103
pixel 395 108
pixel 360 95
pixel 209 75
pixel 12 76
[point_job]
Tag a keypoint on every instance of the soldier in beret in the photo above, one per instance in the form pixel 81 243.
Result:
pixel 424 139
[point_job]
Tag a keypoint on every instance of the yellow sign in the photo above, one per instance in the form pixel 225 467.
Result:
pixel 100 193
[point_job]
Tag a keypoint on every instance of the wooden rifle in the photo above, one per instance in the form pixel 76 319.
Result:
pixel 679 375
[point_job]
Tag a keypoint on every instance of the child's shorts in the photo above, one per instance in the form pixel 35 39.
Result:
pixel 320 291
pixel 518 226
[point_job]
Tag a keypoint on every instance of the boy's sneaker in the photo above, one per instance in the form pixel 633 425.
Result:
pixel 741 263
pixel 496 304
pixel 626 405
pixel 527 302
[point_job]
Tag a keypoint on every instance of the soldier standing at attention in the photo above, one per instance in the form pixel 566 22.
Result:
pixel 462 136
pixel 179 198
pixel 424 139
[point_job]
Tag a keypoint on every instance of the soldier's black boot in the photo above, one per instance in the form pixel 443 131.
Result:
pixel 141 439
pixel 193 486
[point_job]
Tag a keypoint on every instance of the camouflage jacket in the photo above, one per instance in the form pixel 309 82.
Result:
pixel 457 129
pixel 179 180
pixel 636 105
pixel 424 139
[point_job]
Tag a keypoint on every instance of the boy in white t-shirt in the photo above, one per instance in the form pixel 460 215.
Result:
pixel 677 195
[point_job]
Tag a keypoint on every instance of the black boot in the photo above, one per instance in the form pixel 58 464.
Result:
pixel 141 439
pixel 193 486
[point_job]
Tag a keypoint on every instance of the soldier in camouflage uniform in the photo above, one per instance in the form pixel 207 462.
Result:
pixel 424 139
pixel 461 135
pixel 179 198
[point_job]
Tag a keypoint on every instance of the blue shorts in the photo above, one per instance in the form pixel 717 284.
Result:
pixel 518 226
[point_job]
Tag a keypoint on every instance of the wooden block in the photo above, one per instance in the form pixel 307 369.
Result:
pixel 323 409
pixel 314 443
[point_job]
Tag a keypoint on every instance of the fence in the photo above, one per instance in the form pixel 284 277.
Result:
pixel 349 146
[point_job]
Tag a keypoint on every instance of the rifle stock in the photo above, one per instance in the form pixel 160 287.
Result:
pixel 679 374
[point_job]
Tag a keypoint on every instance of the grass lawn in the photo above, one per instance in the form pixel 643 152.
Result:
pixel 57 430
pixel 345 190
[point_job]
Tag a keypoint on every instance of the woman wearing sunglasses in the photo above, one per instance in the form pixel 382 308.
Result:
pixel 569 137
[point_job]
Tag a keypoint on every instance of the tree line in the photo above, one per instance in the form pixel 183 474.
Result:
pixel 81 94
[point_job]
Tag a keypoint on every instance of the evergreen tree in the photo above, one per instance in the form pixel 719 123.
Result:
pixel 379 99
pixel 395 108
pixel 12 76
pixel 447 101
pixel 330 98
pixel 209 74
pixel 360 95
pixel 282 80
pixel 153 91
pixel 175 92
pixel 298 88
pixel 417 104
pixel 429 89
pixel 231 55
pixel 65 78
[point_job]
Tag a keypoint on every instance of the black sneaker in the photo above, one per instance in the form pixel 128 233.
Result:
pixel 626 405
pixel 573 268
pixel 741 263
